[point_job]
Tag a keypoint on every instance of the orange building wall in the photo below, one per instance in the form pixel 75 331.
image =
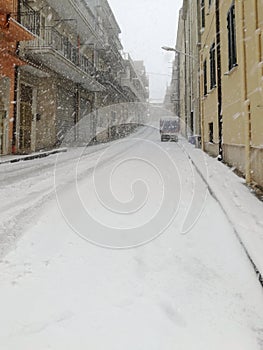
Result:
pixel 10 33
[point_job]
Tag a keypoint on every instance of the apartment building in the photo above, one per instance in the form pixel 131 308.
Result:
pixel 210 82
pixel 72 66
pixel 65 77
pixel 225 84
pixel 11 32
pixel 231 83
pixel 241 24
pixel 134 79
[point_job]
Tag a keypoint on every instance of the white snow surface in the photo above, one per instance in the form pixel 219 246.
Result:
pixel 243 209
pixel 58 291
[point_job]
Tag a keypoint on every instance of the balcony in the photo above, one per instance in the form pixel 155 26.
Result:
pixel 82 18
pixel 132 86
pixel 30 19
pixel 115 50
pixel 55 51
pixel 106 78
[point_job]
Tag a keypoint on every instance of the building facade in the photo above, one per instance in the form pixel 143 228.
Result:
pixel 11 32
pixel 72 66
pixel 225 41
pixel 231 58
pixel 210 82
pixel 186 70
pixel 241 25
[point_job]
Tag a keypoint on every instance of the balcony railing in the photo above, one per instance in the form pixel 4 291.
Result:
pixel 133 85
pixel 30 18
pixel 107 78
pixel 50 38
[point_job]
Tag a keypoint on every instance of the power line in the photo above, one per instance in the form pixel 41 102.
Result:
pixel 169 75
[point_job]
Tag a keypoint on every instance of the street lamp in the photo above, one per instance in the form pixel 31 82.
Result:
pixel 167 48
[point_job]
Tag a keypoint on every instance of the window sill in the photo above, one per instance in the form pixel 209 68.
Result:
pixel 212 89
pixel 209 92
pixel 232 70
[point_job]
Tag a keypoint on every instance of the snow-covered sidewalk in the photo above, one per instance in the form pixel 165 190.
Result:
pixel 243 209
pixel 14 158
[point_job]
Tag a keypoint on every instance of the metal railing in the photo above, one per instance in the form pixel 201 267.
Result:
pixel 30 18
pixel 107 78
pixel 50 37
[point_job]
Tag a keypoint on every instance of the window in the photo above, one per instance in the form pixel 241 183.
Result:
pixel 202 13
pixel 212 66
pixel 211 132
pixel 205 78
pixel 231 28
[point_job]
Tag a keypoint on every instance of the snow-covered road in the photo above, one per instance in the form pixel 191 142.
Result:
pixel 190 287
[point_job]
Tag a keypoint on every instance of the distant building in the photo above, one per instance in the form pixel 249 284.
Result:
pixel 168 99
pixel 134 79
pixel 185 79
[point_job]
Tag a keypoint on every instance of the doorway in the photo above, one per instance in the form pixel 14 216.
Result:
pixel 26 117
pixel 2 127
pixel 4 106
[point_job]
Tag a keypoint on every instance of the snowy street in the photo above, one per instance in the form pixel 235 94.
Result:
pixel 121 246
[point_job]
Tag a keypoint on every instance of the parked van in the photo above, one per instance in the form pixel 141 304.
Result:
pixel 169 128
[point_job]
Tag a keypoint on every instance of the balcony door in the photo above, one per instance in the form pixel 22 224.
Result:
pixel 26 117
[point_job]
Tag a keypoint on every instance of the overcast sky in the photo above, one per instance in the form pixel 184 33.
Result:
pixel 147 25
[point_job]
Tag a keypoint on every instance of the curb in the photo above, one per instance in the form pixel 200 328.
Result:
pixel 33 156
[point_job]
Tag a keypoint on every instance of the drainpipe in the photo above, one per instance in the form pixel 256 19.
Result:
pixel 16 74
pixel 201 93
pixel 185 81
pixel 245 100
pixel 219 81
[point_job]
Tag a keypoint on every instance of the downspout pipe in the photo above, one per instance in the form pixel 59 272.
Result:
pixel 245 99
pixel 219 83
pixel 16 74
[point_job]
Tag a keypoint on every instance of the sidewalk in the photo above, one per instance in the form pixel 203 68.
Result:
pixel 243 209
pixel 18 158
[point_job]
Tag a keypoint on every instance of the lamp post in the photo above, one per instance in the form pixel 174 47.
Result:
pixel 167 48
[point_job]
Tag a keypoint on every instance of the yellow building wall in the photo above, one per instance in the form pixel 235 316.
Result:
pixel 242 89
pixel 254 27
pixel 209 102
pixel 233 118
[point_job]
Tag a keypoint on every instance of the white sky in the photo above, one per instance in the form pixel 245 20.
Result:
pixel 147 25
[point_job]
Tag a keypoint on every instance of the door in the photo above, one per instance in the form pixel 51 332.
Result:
pixel 2 118
pixel 26 116
pixel 66 112
pixel 4 106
